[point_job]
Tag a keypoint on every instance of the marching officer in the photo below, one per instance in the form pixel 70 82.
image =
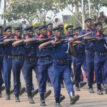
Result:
pixel 89 52
pixel 100 59
pixel 78 59
pixel 30 62
pixel 17 62
pixel 44 63
pixel 60 68
pixel 7 60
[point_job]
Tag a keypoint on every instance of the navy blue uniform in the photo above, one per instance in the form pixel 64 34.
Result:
pixel 17 64
pixel 89 56
pixel 100 59
pixel 7 64
pixel 78 61
pixel 44 63
pixel 60 69
pixel 30 63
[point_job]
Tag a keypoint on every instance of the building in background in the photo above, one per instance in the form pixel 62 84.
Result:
pixel 1 11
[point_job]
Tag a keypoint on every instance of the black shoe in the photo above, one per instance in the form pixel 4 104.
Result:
pixel 57 105
pixel 99 92
pixel 82 84
pixel 91 90
pixel 11 91
pixel 77 89
pixel 74 99
pixel 30 98
pixel 2 88
pixel 7 95
pixel 42 103
pixel 34 92
pixel 22 91
pixel 105 91
pixel 42 99
pixel 61 98
pixel 48 93
pixel 17 98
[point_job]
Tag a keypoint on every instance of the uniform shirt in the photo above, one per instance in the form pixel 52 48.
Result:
pixel 80 48
pixel 18 50
pixel 88 45
pixel 43 53
pixel 30 48
pixel 7 49
pixel 60 52
pixel 100 46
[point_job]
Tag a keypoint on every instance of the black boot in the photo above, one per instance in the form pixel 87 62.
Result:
pixel 57 104
pixel 73 99
pixel 82 84
pixel 7 95
pixel 91 90
pixel 17 98
pixel 99 90
pixel 30 98
pixel 42 99
pixel 2 88
pixel 11 91
pixel 62 97
pixel 77 87
pixel 105 88
pixel 48 93
pixel 22 90
pixel 34 92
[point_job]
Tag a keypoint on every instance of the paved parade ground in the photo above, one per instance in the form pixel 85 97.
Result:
pixel 86 99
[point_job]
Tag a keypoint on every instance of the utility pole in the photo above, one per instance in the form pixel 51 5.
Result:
pixel 82 3
pixel 89 5
pixel 4 14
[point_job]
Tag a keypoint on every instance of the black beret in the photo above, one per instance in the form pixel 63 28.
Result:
pixel 78 28
pixel 8 27
pixel 49 24
pixel 42 27
pixel 98 23
pixel 88 19
pixel 36 27
pixel 29 28
pixel 69 26
pixel 18 28
pixel 57 28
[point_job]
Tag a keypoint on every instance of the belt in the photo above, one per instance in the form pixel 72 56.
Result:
pixel 61 61
pixel 19 57
pixel 101 53
pixel 47 58
pixel 9 57
pixel 1 55
pixel 31 59
pixel 79 55
pixel 90 50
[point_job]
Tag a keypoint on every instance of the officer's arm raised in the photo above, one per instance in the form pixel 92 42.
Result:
pixel 43 45
pixel 16 43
